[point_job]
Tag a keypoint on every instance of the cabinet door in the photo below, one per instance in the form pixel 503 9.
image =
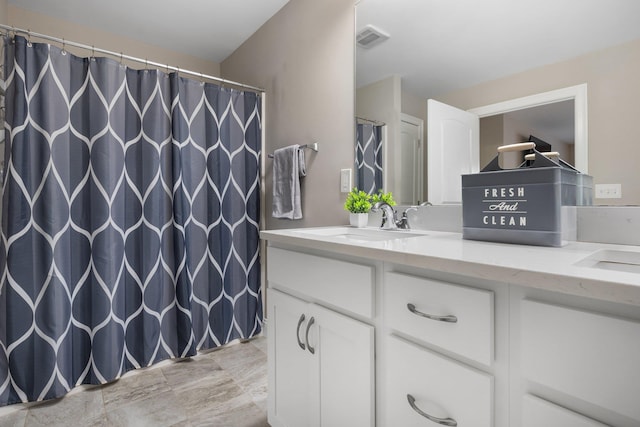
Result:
pixel 588 355
pixel 538 412
pixel 289 366
pixel 344 375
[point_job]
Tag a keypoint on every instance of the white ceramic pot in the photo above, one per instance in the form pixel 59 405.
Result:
pixel 358 219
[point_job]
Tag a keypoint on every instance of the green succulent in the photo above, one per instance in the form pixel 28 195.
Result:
pixel 358 201
pixel 381 196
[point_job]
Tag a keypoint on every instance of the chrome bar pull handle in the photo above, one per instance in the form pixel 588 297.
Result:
pixel 300 343
pixel 306 336
pixel 441 421
pixel 449 319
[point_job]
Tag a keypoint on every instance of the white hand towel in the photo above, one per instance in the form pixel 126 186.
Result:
pixel 288 167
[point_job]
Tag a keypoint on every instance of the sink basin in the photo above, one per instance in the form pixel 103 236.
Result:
pixel 361 234
pixel 625 261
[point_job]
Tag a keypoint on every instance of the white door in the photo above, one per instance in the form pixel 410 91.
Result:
pixel 344 355
pixel 409 161
pixel 453 138
pixel 289 367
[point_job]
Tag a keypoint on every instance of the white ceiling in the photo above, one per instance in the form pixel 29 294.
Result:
pixel 208 29
pixel 438 46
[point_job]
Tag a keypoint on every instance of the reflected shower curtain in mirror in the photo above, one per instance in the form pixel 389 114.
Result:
pixel 369 157
pixel 129 222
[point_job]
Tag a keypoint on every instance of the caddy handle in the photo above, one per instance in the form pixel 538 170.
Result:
pixel 522 146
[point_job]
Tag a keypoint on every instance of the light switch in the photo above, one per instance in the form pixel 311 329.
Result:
pixel 345 180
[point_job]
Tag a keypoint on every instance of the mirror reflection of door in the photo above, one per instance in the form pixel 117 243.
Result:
pixel 408 165
pixel 453 146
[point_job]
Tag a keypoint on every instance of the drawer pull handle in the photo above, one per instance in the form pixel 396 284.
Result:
pixel 450 318
pixel 300 343
pixel 306 336
pixel 441 421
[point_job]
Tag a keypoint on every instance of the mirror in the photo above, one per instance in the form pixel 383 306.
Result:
pixel 479 56
pixel 551 123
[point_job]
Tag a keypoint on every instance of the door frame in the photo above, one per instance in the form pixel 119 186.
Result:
pixel 419 123
pixel 576 93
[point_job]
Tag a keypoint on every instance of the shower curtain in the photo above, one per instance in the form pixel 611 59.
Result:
pixel 129 220
pixel 369 157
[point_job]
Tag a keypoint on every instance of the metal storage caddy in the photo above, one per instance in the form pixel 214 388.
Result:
pixel 531 205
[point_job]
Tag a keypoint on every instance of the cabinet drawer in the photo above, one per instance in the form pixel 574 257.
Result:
pixel 591 356
pixel 441 387
pixel 471 335
pixel 339 283
pixel 538 412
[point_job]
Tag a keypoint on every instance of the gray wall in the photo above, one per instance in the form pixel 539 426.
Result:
pixel 304 58
pixel 3 12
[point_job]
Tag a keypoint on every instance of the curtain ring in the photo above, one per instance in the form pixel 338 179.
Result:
pixel 29 38
pixel 64 47
pixel 93 52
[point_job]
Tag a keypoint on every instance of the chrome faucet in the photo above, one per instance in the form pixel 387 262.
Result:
pixel 403 223
pixel 389 220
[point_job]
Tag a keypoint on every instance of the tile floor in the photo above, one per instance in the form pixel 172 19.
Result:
pixel 222 387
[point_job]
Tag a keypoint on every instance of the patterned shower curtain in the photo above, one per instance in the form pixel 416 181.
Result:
pixel 129 220
pixel 369 157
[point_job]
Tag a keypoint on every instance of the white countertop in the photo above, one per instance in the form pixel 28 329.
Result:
pixel 533 266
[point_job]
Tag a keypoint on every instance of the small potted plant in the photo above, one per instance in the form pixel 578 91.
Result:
pixel 358 204
pixel 381 196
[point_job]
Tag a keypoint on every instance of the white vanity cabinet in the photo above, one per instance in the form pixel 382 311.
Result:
pixel 584 361
pixel 321 361
pixel 384 335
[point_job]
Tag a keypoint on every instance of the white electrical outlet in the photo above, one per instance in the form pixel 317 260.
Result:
pixel 608 191
pixel 345 180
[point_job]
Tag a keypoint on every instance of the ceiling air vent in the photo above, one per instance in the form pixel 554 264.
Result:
pixel 370 36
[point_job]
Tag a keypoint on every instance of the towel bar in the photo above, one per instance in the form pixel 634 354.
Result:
pixel 313 147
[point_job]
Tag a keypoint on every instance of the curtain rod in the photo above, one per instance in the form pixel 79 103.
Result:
pixel 375 122
pixel 122 56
